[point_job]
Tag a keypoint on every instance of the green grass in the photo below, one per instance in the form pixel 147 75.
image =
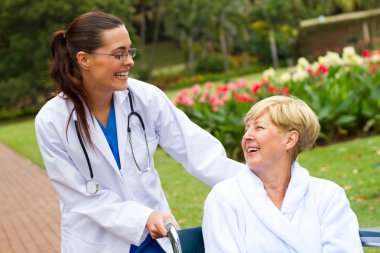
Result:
pixel 354 165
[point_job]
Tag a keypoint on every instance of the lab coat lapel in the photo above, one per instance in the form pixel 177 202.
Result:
pixel 100 143
pixel 253 191
pixel 121 111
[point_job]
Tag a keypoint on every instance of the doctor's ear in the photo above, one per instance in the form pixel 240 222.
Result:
pixel 83 60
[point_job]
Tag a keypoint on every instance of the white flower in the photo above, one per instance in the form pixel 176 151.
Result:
pixel 269 74
pixel 375 58
pixel 300 75
pixel 302 63
pixel 285 77
pixel 315 66
pixel 350 57
pixel 330 59
pixel 349 52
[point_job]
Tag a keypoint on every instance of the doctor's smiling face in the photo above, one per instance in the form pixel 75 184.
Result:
pixel 106 69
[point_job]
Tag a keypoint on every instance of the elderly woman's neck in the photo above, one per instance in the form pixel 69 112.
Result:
pixel 276 184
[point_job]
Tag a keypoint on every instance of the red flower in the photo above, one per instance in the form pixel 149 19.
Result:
pixel 223 88
pixel 322 70
pixel 273 89
pixel 244 98
pixel 285 91
pixel 255 87
pixel 366 53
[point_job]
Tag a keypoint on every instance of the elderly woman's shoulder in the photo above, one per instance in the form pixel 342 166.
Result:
pixel 224 189
pixel 324 187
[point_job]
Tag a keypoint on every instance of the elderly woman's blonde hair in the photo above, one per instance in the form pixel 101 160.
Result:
pixel 288 114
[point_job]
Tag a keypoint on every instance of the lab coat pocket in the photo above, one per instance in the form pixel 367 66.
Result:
pixel 80 245
pixel 146 185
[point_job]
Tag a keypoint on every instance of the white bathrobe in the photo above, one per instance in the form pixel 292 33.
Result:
pixel 315 217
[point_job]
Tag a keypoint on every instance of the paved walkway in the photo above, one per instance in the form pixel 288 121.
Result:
pixel 29 207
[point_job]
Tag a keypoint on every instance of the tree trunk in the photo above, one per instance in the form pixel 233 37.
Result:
pixel 157 20
pixel 142 33
pixel 223 47
pixel 190 62
pixel 273 48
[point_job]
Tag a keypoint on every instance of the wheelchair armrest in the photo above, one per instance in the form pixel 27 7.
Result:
pixel 370 237
pixel 188 240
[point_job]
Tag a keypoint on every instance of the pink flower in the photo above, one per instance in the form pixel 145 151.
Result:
pixel 233 86
pixel 204 96
pixel 196 89
pixel 209 85
pixel 241 83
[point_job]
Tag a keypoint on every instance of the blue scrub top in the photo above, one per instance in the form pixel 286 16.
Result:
pixel 110 132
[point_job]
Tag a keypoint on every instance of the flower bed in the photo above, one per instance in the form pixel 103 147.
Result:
pixel 344 91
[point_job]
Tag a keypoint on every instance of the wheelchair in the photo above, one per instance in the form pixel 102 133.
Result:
pixel 190 240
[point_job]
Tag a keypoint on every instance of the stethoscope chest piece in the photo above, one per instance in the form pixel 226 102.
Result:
pixel 92 187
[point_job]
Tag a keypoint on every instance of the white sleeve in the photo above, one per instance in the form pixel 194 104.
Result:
pixel 339 225
pixel 198 151
pixel 220 226
pixel 105 210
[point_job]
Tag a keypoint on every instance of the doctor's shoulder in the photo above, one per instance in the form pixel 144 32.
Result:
pixel 56 109
pixel 149 93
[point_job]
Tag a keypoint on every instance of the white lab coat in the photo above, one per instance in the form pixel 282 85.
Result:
pixel 315 217
pixel 115 217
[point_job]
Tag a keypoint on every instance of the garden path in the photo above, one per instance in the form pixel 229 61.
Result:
pixel 29 207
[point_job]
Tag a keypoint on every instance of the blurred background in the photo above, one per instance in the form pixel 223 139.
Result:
pixel 182 42
pixel 214 59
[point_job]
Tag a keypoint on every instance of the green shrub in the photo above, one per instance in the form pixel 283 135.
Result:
pixel 211 63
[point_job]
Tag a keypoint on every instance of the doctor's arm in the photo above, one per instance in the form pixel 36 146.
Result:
pixel 198 151
pixel 339 225
pixel 105 209
pixel 220 226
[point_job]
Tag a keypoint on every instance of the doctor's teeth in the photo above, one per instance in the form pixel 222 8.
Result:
pixel 252 149
pixel 122 74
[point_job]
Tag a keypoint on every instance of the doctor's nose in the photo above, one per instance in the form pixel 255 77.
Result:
pixel 129 62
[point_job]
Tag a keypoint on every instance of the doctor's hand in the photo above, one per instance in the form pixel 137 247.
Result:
pixel 156 226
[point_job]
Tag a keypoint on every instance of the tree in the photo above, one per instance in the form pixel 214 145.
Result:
pixel 186 21
pixel 228 20
pixel 26 30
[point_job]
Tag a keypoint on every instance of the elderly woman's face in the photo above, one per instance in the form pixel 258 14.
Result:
pixel 264 145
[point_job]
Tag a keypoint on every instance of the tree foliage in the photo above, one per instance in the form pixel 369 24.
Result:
pixel 26 30
pixel 201 27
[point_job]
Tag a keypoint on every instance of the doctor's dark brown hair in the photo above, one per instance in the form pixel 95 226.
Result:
pixel 83 34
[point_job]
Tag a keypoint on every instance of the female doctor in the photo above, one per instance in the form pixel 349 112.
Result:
pixel 98 135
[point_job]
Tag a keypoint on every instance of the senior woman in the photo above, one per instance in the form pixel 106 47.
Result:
pixel 274 205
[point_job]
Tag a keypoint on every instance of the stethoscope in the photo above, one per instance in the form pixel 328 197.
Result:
pixel 92 186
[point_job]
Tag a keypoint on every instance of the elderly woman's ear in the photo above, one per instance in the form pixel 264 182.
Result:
pixel 292 140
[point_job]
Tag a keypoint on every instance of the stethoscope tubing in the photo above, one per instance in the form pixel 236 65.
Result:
pixel 92 186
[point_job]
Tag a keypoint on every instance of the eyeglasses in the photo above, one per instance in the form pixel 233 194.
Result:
pixel 122 56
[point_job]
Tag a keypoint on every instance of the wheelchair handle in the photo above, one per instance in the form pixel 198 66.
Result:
pixel 173 237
